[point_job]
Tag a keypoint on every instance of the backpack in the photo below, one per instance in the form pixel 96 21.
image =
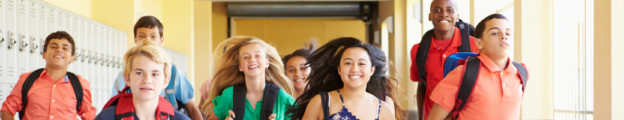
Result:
pixel 466 31
pixel 170 90
pixel 471 74
pixel 268 101
pixel 30 80
pixel 125 106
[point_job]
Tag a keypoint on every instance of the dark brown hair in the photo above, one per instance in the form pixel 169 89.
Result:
pixel 481 26
pixel 148 22
pixel 60 35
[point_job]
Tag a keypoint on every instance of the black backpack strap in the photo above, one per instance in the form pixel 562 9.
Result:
pixel 75 82
pixel 522 72
pixel 268 101
pixel 471 74
pixel 240 95
pixel 464 29
pixel 325 104
pixel 30 80
pixel 421 55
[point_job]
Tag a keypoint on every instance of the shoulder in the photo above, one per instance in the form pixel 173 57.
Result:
pixel 226 96
pixel 385 112
pixel 180 116
pixel 284 96
pixel 107 114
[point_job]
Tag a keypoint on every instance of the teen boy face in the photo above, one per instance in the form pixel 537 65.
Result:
pixel 147 78
pixel 443 15
pixel 149 34
pixel 495 41
pixel 58 54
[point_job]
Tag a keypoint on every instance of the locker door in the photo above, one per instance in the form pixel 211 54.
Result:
pixel 12 38
pixel 104 63
pixel 97 70
pixel 43 30
pixel 87 51
pixel 110 71
pixel 33 39
pixel 3 48
pixel 23 37
pixel 67 23
pixel 80 53
pixel 78 41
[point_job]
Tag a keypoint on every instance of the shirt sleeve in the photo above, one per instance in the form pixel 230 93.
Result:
pixel 184 89
pixel 223 103
pixel 119 85
pixel 286 101
pixel 13 102
pixel 445 93
pixel 86 110
pixel 414 68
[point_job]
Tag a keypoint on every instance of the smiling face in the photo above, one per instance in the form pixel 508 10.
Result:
pixel 495 40
pixel 443 15
pixel 298 71
pixel 253 60
pixel 146 79
pixel 355 67
pixel 58 53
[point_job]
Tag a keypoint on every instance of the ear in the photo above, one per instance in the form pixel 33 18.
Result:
pixel 373 69
pixel 268 63
pixel 167 79
pixel 429 16
pixel 43 55
pixel 126 80
pixel 73 58
pixel 339 73
pixel 240 68
pixel 479 43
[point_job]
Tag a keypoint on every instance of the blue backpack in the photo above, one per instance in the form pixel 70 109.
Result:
pixel 471 73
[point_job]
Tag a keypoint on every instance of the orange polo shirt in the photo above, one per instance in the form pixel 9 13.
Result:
pixel 49 100
pixel 435 64
pixel 497 94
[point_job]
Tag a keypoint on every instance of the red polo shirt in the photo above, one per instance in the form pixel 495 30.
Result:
pixel 435 63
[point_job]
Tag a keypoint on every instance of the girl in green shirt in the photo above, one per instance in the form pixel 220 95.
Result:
pixel 252 63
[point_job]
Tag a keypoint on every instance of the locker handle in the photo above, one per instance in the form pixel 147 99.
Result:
pixel 24 42
pixel 34 45
pixel 1 37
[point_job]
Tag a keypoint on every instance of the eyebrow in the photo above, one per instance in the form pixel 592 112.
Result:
pixel 497 28
pixel 358 59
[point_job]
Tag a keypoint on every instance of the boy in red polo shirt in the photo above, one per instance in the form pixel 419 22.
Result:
pixel 498 90
pixel 445 39
pixel 51 94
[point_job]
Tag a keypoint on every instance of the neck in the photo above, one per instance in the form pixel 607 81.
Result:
pixel 444 35
pixel 56 73
pixel 255 84
pixel 500 61
pixel 297 94
pixel 145 110
pixel 353 93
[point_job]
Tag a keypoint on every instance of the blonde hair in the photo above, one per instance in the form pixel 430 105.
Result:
pixel 149 50
pixel 227 73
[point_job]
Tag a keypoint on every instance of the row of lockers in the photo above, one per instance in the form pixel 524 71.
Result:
pixel 24 25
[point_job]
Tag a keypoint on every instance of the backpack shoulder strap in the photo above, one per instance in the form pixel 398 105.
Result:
pixel 75 82
pixel 125 107
pixel 522 72
pixel 325 104
pixel 471 74
pixel 465 37
pixel 240 95
pixel 421 54
pixel 268 101
pixel 30 80
pixel 170 89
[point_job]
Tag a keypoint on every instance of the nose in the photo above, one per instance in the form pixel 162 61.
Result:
pixel 252 59
pixel 146 79
pixel 355 68
pixel 504 37
pixel 298 73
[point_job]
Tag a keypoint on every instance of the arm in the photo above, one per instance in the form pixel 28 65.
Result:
pixel 420 100
pixel 193 110
pixel 437 113
pixel 6 116
pixel 386 113
pixel 86 110
pixel 212 116
pixel 390 103
pixel 314 110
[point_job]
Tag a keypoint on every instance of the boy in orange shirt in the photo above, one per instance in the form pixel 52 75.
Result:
pixel 498 88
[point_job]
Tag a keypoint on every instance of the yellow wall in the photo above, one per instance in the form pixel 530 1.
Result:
pixel 602 60
pixel 288 35
pixel 219 18
pixel 203 44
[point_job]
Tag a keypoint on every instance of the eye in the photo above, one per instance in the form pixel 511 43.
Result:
pixel 291 70
pixel 362 64
pixel 347 63
pixel 449 10
pixel 139 73
pixel 495 33
pixel 155 74
pixel 508 34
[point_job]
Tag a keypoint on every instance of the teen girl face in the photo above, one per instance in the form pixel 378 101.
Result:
pixel 253 60
pixel 355 67
pixel 297 71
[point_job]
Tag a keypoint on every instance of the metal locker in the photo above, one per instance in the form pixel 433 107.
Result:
pixel 3 48
pixel 87 51
pixel 43 9
pixel 12 38
pixel 22 37
pixel 103 53
pixel 80 46
pixel 96 67
pixel 67 24
pixel 33 38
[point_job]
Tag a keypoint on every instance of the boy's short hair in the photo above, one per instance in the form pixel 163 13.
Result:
pixel 481 26
pixel 149 50
pixel 148 22
pixel 60 35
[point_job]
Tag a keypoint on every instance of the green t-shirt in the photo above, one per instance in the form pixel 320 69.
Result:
pixel 224 103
